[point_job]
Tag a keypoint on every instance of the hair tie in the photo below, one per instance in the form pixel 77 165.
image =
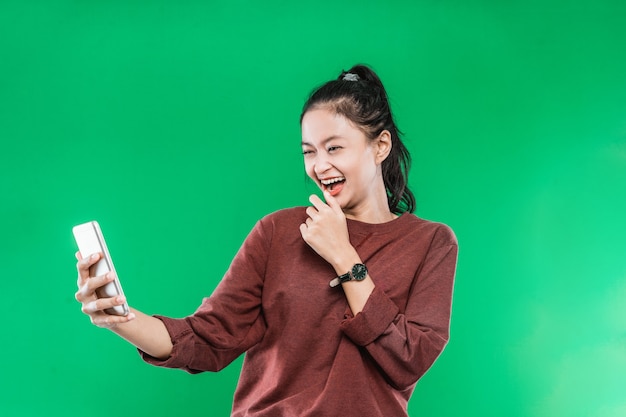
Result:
pixel 348 76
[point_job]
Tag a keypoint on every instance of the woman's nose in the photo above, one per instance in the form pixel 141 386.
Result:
pixel 322 164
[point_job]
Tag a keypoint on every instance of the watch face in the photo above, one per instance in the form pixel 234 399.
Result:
pixel 359 271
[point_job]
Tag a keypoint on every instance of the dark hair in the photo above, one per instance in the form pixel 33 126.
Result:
pixel 359 95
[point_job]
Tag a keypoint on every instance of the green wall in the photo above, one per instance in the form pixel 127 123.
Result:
pixel 175 124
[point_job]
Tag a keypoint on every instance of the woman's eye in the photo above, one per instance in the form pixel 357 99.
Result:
pixel 306 152
pixel 333 148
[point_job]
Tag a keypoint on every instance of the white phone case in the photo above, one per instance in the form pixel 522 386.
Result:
pixel 89 239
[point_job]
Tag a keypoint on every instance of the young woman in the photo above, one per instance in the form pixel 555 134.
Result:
pixel 341 306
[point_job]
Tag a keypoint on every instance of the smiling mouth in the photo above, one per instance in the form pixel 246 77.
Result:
pixel 333 185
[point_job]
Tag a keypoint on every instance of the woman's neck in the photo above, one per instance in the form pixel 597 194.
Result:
pixel 371 211
pixel 374 208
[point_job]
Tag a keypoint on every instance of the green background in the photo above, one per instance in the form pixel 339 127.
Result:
pixel 175 125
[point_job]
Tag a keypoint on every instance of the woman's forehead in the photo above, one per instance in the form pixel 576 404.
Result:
pixel 320 124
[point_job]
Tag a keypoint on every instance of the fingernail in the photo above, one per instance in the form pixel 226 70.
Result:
pixel 94 256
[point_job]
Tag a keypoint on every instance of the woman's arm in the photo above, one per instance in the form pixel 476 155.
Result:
pixel 145 332
pixel 406 343
pixel 327 233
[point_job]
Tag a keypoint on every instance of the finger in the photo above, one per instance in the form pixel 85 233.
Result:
pixel 84 264
pixel 100 281
pixel 312 212
pixel 317 202
pixel 78 256
pixel 304 232
pixel 332 202
pixel 89 287
pixel 101 304
pixel 110 320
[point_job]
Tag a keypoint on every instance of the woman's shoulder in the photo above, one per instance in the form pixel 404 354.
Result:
pixel 441 233
pixel 289 215
pixel 287 219
pixel 282 225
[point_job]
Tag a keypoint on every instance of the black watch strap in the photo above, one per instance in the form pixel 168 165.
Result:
pixel 340 279
pixel 357 273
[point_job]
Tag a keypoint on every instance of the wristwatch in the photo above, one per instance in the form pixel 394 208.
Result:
pixel 357 273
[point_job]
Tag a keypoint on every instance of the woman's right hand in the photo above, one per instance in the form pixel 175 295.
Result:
pixel 86 295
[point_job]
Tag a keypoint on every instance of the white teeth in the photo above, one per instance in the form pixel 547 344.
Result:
pixel 332 180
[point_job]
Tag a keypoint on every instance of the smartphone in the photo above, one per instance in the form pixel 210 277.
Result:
pixel 89 239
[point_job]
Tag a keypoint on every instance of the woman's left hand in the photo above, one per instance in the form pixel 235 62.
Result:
pixel 326 230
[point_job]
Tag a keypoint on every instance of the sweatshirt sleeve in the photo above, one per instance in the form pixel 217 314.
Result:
pixel 228 322
pixel 405 345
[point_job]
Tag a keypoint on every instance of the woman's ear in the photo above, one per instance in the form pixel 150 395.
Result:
pixel 383 146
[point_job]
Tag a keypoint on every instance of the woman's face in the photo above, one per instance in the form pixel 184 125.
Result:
pixel 340 159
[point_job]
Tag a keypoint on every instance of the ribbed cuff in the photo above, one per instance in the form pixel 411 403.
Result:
pixel 377 314
pixel 181 335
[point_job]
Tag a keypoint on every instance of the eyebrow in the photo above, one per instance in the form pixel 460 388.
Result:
pixel 328 139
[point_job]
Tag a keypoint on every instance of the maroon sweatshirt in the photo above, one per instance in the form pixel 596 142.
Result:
pixel 306 354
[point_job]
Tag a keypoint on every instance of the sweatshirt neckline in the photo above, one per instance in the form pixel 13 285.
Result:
pixel 356 226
